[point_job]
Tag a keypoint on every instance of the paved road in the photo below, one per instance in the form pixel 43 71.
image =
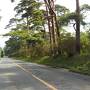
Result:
pixel 18 75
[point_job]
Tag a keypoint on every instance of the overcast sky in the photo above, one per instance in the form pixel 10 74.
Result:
pixel 7 12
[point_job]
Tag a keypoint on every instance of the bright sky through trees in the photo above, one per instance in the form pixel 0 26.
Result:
pixel 7 12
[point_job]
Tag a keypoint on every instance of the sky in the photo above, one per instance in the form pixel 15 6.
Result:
pixel 7 12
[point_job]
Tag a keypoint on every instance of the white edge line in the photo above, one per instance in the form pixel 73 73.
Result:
pixel 42 81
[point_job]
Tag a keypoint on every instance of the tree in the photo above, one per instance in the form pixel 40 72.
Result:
pixel 61 10
pixel 53 27
pixel 2 53
pixel 12 46
pixel 77 27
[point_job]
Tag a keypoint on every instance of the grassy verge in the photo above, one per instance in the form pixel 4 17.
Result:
pixel 80 64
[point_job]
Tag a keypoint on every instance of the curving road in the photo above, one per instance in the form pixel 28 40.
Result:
pixel 18 75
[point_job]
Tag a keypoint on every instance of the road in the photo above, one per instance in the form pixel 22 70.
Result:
pixel 19 75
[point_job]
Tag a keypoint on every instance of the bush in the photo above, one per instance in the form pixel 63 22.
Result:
pixel 2 54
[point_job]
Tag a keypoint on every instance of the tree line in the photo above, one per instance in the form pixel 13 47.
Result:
pixel 38 29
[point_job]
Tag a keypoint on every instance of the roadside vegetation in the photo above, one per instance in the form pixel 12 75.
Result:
pixel 41 36
pixel 79 64
pixel 1 52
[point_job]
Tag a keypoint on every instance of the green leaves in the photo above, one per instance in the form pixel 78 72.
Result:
pixel 61 10
pixel 85 7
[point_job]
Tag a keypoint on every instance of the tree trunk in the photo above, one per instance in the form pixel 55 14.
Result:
pixel 53 27
pixel 50 31
pixel 77 27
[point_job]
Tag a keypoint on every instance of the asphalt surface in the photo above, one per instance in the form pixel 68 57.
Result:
pixel 18 75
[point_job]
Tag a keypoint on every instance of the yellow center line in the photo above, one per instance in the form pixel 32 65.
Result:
pixel 42 81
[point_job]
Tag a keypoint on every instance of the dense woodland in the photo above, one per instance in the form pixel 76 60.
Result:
pixel 39 29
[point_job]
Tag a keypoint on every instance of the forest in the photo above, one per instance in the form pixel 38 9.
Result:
pixel 39 33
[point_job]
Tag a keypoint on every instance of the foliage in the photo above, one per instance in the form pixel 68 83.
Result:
pixel 30 38
pixel 68 44
pixel 2 53
pixel 80 64
pixel 85 7
pixel 85 43
pixel 61 10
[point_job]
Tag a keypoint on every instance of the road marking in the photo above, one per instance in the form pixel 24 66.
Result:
pixel 42 81
pixel 7 74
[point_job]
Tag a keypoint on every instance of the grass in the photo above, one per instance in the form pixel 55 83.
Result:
pixel 80 64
